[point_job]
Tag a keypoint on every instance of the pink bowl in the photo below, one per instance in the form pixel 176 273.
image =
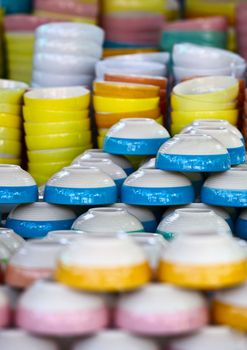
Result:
pixel 69 7
pixel 28 23
pixel 216 23
pixel 135 23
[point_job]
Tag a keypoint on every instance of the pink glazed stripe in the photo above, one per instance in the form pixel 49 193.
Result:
pixel 5 315
pixel 62 323
pixel 162 324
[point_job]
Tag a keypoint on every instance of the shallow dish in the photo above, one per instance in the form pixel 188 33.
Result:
pixel 93 221
pixel 42 115
pixel 154 187
pixel 159 309
pixel 80 185
pixel 104 263
pixel 140 136
pixel 37 219
pixel 206 261
pixel 194 153
pixel 87 313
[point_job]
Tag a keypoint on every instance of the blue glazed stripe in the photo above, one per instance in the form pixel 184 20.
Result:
pixel 193 163
pixel 80 196
pixel 241 228
pixel 223 197
pixel 18 194
pixel 157 196
pixel 237 155
pixel 149 226
pixel 119 183
pixel 36 229
pixel 133 146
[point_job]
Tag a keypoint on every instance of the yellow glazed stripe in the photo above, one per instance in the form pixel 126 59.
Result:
pixel 63 104
pixel 230 315
pixel 104 279
pixel 203 277
pixel 121 105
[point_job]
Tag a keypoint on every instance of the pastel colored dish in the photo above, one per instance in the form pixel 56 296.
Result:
pixel 37 219
pixel 121 221
pixel 103 264
pixel 125 137
pixel 80 185
pixel 42 115
pixel 56 128
pixel 154 187
pixel 137 79
pixel 206 261
pixel 159 309
pixel 61 311
pixel 16 185
pixel 194 153
pixel 69 98
pixel 227 189
pixel 56 155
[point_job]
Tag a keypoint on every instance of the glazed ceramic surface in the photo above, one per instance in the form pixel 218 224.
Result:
pixel 241 225
pixel 11 239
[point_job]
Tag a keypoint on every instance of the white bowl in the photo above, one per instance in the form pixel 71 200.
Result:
pixel 115 339
pixel 160 309
pixel 159 57
pixel 118 219
pixel 193 152
pixel 37 219
pixel 45 79
pixel 36 259
pixel 78 32
pixel 11 240
pixel 11 339
pixel 80 185
pixel 192 221
pixel 64 235
pixel 182 73
pixel 157 187
pixel 213 338
pixel 61 311
pixel 206 261
pixel 227 189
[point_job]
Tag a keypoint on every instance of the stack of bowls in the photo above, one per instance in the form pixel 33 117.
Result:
pixel 14 6
pixel 66 54
pixel 204 98
pixel 69 10
pixel 132 24
pixel 57 128
pixel 241 27
pixel 210 31
pixel 11 100
pixel 19 41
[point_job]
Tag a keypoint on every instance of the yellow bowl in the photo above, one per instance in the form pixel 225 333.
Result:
pixel 10 134
pixel 56 128
pixel 149 6
pixel 187 117
pixel 177 128
pixel 40 115
pixel 11 92
pixel 66 99
pixel 40 179
pixel 10 120
pixel 13 161
pixel 10 148
pixel 100 141
pixel 54 141
pixel 47 169
pixel 57 155
pixel 10 108
pixel 179 103
pixel 102 132
pixel 122 105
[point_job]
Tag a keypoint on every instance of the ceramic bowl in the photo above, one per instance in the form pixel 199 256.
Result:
pixel 241 225
pixel 12 91
pixel 51 80
pixel 80 185
pixel 46 169
pixel 56 155
pixel 10 120
pixel 206 261
pixel 42 115
pixel 64 236
pixel 194 153
pixel 117 174
pixel 37 219
pixel 5 309
pixel 227 189
pixel 211 337
pixel 154 187
pixel 103 263
pixel 65 99
pixel 112 339
pixel 16 185
pixel 180 103
pixel 228 139
pixel 160 309
pixel 16 338
pixel 137 79
pixel 10 149
pixel 160 57
pixel 11 240
pixel 144 215
pixel 79 32
pixel 120 220
pixel 125 137
pixel 35 260
pixel 99 153
pixel 192 221
pixel 10 134
pixel 183 73
pixel 56 128
pixel 229 307
pixel 220 89
pixel 86 313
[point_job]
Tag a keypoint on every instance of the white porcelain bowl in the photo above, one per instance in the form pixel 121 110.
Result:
pixel 161 309
pixel 181 73
pixel 159 57
pixel 43 79
pixel 64 236
pixel 191 221
pixel 118 219
pixel 61 311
